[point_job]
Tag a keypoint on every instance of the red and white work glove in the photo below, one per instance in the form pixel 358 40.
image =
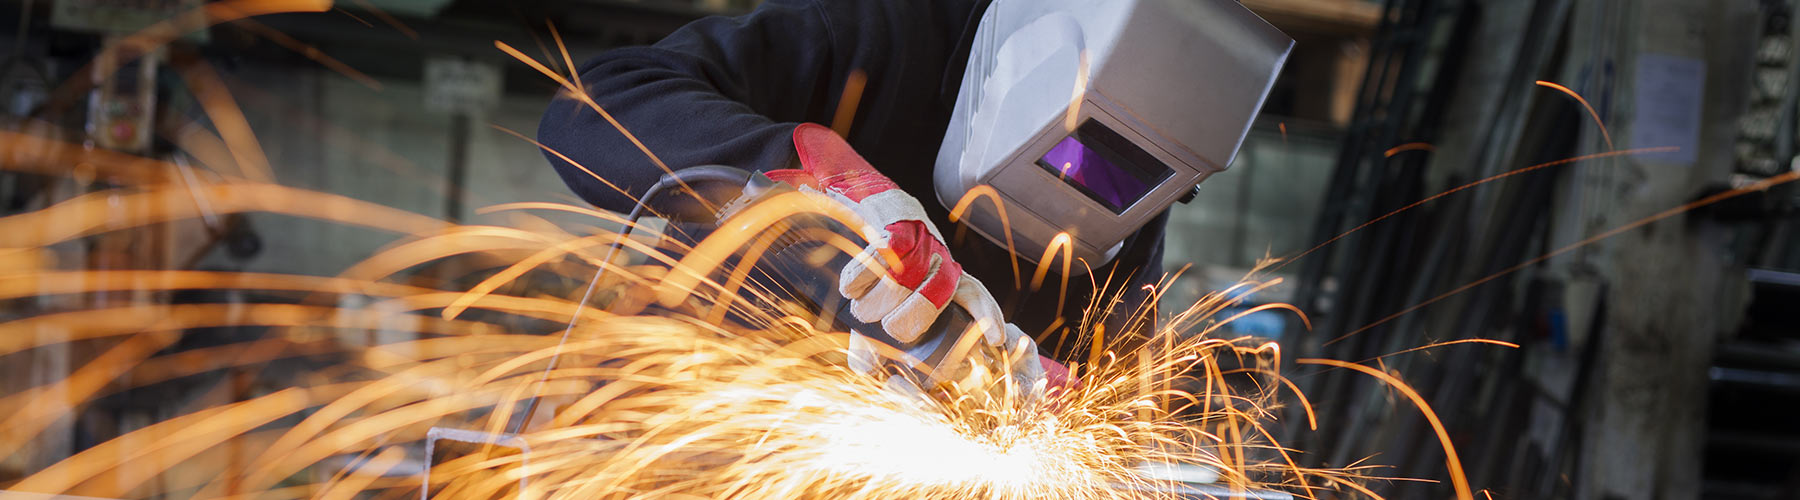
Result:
pixel 908 293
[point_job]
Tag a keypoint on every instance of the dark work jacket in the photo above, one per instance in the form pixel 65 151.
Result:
pixel 729 91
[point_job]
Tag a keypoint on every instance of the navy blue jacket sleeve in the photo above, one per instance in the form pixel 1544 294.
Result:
pixel 725 91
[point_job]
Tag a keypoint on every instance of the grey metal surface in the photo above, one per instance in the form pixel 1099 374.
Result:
pixel 437 436
pixel 1217 492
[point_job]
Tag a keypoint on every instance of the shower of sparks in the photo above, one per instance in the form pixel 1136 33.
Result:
pixel 649 400
pixel 679 378
pixel 1470 185
pixel 1755 187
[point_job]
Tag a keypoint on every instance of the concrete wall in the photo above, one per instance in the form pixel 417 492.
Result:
pixel 1673 288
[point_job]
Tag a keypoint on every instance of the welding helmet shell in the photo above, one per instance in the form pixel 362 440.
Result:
pixel 1092 117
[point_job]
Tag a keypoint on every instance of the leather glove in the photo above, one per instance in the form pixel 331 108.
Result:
pixel 918 278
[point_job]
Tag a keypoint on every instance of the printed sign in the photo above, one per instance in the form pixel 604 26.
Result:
pixel 460 86
pixel 1669 93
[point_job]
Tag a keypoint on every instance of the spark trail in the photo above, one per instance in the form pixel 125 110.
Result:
pixel 652 403
pixel 677 378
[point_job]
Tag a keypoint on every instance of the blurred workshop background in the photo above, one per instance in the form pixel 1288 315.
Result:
pixel 1662 361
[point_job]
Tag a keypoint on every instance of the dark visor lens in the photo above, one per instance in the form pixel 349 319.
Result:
pixel 1091 160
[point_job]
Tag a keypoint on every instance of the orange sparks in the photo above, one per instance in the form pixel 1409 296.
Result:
pixel 568 61
pixel 1584 104
pixel 229 119
pixel 1451 461
pixel 389 19
pixel 1081 82
pixel 986 191
pixel 1463 187
pixel 1500 343
pixel 576 91
pixel 846 108
pixel 310 52
pixel 1683 208
pixel 352 16
pixel 1063 242
pixel 683 280
pixel 1411 146
pixel 681 362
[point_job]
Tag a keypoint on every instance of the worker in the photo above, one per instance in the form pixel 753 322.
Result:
pixel 751 92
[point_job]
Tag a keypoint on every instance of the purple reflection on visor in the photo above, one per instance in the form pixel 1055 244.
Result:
pixel 1085 167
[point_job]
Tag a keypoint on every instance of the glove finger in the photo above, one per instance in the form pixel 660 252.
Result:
pixel 881 299
pixel 940 286
pixel 911 318
pixel 1022 355
pixel 914 315
pixel 973 297
pixel 863 357
pixel 1056 376
pixel 858 276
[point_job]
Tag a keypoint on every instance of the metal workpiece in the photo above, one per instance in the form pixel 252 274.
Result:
pixel 1217 492
pixel 443 444
pixel 1188 482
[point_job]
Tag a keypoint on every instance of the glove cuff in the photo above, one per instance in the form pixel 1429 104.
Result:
pixel 836 165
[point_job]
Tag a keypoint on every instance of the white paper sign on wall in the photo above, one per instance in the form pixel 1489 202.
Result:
pixel 1670 90
pixel 455 85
